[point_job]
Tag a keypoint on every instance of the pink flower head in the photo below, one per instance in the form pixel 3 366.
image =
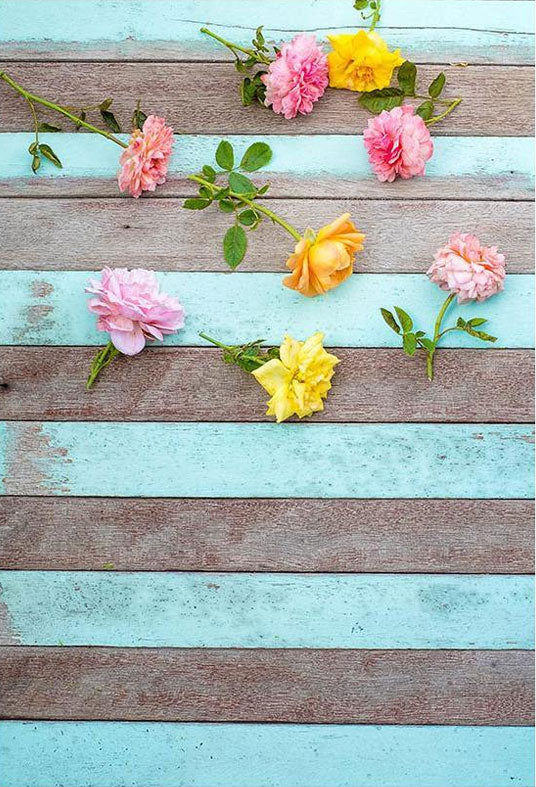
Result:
pixel 144 163
pixel 131 308
pixel 297 77
pixel 464 267
pixel 398 143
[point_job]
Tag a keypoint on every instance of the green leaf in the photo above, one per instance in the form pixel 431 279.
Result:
pixel 235 244
pixel 240 184
pixel 405 320
pixel 77 126
pixel 209 173
pixel 378 100
pixel 248 218
pixel 47 127
pixel 425 110
pixel 196 203
pixel 485 337
pixel 138 118
pixel 106 104
pixel 409 343
pixel 48 153
pixel 36 163
pixel 110 121
pixel 256 156
pixel 460 322
pixel 33 148
pixel 205 192
pixel 390 320
pixel 436 87
pixel 359 5
pixel 225 155
pixel 476 321
pixel 248 92
pixel 428 344
pixel 407 76
pixel 263 190
pixel 226 206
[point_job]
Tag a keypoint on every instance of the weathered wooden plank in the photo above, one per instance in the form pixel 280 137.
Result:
pixel 72 234
pixel 160 754
pixel 492 168
pixel 51 309
pixel 211 105
pixel 468 30
pixel 449 536
pixel 196 610
pixel 292 686
pixel 194 385
pixel 246 460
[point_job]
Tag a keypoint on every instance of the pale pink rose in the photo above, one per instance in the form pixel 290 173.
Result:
pixel 144 163
pixel 464 267
pixel 131 308
pixel 297 77
pixel 398 144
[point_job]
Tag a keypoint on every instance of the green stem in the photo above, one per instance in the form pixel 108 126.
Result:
pixel 252 204
pixel 57 108
pixel 260 58
pixel 437 334
pixel 444 114
pixel 103 358
pixel 376 16
pixel 35 120
pixel 213 341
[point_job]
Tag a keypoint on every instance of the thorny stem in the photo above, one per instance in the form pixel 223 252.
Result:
pixel 102 359
pixel 448 110
pixel 259 57
pixel 437 334
pixel 252 204
pixel 31 99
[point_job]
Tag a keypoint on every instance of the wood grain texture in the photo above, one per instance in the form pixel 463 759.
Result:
pixel 51 234
pixel 189 384
pixel 449 536
pixel 50 308
pixel 478 31
pixel 211 105
pixel 484 168
pixel 123 459
pixel 264 610
pixel 292 686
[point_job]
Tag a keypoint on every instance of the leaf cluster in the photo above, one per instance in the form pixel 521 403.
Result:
pixel 252 87
pixel 39 150
pixel 249 356
pixel 374 6
pixel 389 97
pixel 234 193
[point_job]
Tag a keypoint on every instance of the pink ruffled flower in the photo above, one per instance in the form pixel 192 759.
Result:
pixel 297 77
pixel 131 308
pixel 144 163
pixel 464 267
pixel 398 144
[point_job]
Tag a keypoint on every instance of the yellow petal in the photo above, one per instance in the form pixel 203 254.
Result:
pixel 271 375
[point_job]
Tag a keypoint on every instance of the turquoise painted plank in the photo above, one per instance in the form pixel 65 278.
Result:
pixel 100 754
pixel 189 609
pixel 51 308
pixel 267 460
pixel 476 28
pixel 302 157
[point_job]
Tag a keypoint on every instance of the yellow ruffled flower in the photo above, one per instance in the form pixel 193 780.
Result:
pixel 300 380
pixel 361 62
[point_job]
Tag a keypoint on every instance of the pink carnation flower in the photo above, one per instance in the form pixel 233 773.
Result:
pixel 131 308
pixel 297 77
pixel 398 144
pixel 464 267
pixel 144 163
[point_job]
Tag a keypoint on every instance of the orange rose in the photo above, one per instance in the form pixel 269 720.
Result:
pixel 324 261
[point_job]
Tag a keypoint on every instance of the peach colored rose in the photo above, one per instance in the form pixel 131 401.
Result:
pixel 144 163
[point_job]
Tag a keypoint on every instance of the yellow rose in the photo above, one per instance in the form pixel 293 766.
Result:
pixel 361 62
pixel 300 380
pixel 323 261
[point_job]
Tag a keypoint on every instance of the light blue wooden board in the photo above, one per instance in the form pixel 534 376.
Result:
pixel 267 460
pixel 51 308
pixel 101 754
pixel 470 29
pixel 301 157
pixel 189 609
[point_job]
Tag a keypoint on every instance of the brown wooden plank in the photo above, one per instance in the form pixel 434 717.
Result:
pixel 212 106
pixel 68 234
pixel 193 384
pixel 431 536
pixel 299 686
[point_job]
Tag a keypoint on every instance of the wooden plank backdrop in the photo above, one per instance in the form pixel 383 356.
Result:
pixel 191 596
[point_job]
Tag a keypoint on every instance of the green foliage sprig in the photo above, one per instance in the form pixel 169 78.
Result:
pixel 389 97
pixel 414 340
pixel 247 356
pixel 253 64
pixel 234 193
pixel 374 6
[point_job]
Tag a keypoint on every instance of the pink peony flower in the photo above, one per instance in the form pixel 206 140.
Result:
pixel 297 77
pixel 464 267
pixel 144 163
pixel 398 144
pixel 130 307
